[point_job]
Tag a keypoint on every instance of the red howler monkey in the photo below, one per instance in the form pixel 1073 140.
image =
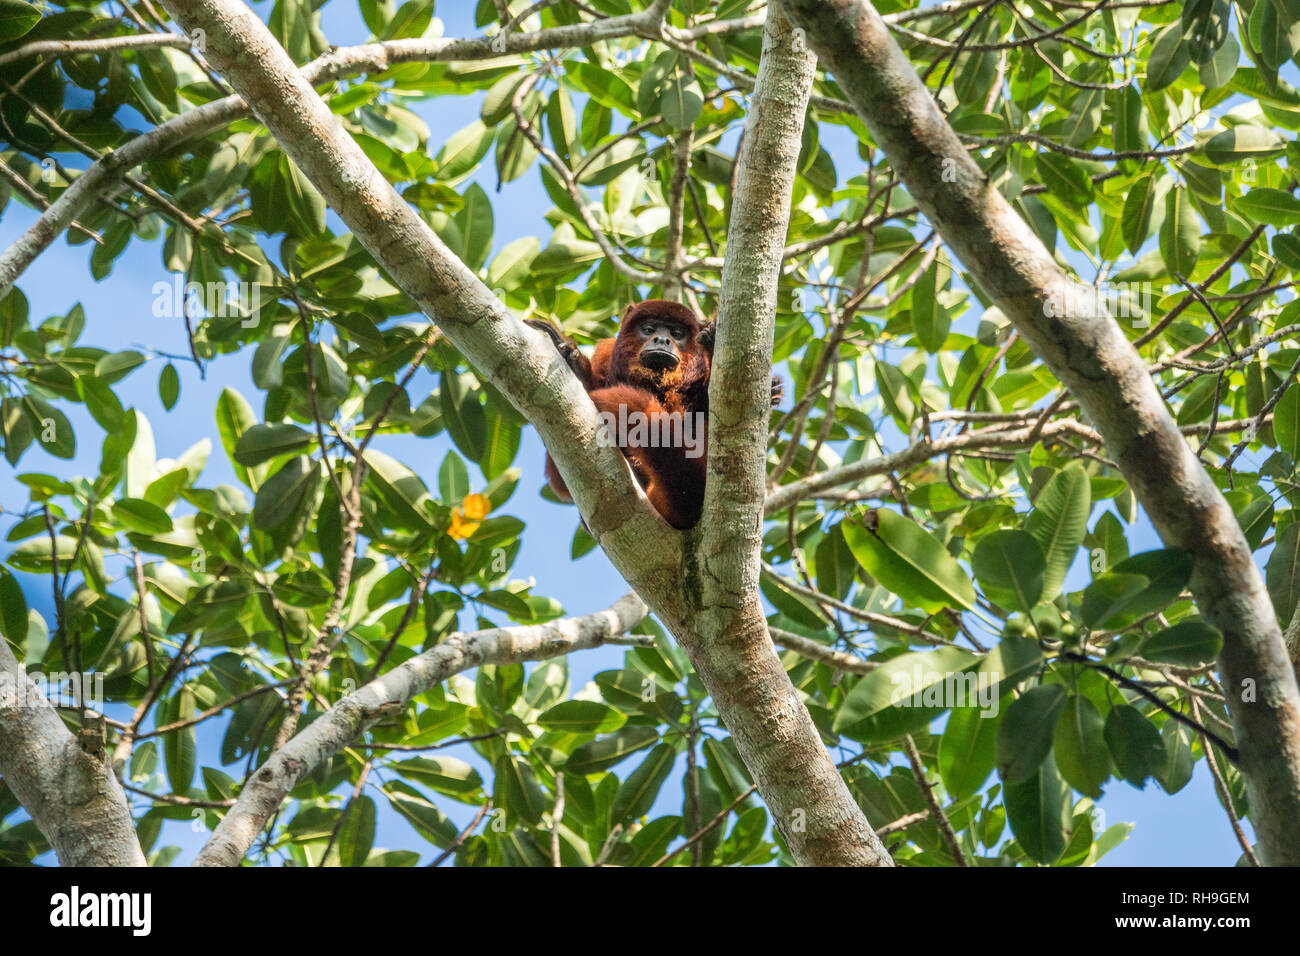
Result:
pixel 651 384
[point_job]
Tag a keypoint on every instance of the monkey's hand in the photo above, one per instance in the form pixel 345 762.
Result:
pixel 572 355
pixel 778 390
pixel 707 336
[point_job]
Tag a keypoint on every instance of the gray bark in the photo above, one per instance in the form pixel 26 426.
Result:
pixel 390 693
pixel 71 794
pixel 1089 353
pixel 809 801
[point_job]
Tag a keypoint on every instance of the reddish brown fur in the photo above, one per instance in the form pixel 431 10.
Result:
pixel 615 377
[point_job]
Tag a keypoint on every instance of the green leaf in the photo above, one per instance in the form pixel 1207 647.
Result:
pixel 234 417
pixel 1139 206
pixel 1080 746
pixel 637 793
pixel 16 18
pixel 35 555
pixel 463 417
pixel 1134 744
pixel 430 822
pixel 1200 401
pixel 1188 644
pixel 51 427
pixel 447 775
pixel 1180 235
pixel 1273 207
pixel 453 479
pixel 15 428
pixel 1014 659
pixel 604 752
pixel 1256 519
pixel 263 442
pixel 1135 587
pixel 1286 247
pixel 1127 124
pixel 1279 37
pixel 1169 57
pixel 1025 731
pixel 501 440
pixel 967 751
pixel 400 489
pixel 497 103
pixel 463 151
pixel 474 224
pixel 1064 178
pixel 929 320
pixel 581 717
pixel 909 561
pixel 1038 812
pixel 517 789
pixel 682 100
pixel 141 516
pixel 169 386
pixel 279 498
pixel 511 267
pixel 1059 523
pixel 1176 770
pixel 1109 594
pixel 1009 566
pixel 896 683
pixel 1282 572
pixel 116 365
pixel 179 746
pixel 1219 69
pixel 13 609
pixel 1244 142
pixel 357 834
pixel 562 123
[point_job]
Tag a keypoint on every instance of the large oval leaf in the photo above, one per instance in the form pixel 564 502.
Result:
pixel 901 682
pixel 1038 812
pixel 967 751
pixel 909 561
pixel 1080 746
pixel 1009 566
pixel 1134 743
pixel 1059 523
pixel 1025 732
pixel 1188 644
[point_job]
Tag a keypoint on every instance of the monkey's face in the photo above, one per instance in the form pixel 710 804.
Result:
pixel 661 344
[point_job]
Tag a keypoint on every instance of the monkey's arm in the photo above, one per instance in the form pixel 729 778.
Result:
pixel 568 350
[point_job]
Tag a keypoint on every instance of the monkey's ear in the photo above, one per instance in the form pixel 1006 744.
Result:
pixel 705 338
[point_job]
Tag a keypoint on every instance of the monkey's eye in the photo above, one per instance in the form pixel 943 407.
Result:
pixel 678 334
pixel 647 329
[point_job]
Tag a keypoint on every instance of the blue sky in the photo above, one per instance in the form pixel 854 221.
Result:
pixel 1187 829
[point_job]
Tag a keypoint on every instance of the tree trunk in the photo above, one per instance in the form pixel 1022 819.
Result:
pixel 1088 352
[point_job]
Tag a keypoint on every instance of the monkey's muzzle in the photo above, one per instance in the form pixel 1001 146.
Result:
pixel 660 359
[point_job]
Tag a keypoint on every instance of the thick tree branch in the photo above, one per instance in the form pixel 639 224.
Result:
pixel 1089 353
pixel 71 794
pixel 810 804
pixel 134 41
pixel 267 789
